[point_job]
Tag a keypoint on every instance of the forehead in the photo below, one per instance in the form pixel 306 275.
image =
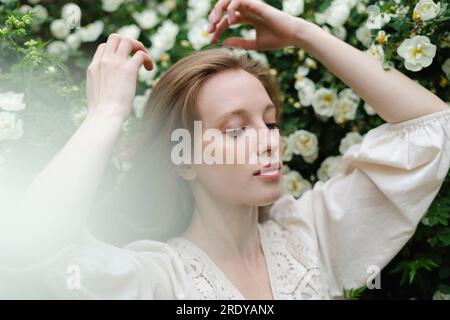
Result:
pixel 230 90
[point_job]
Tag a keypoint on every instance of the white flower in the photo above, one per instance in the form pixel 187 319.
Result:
pixel 345 110
pixel 293 183
pixel 369 109
pixel 59 49
pixel 12 101
pixel 146 19
pixel 198 36
pixel 305 90
pixel 320 18
pixel 339 32
pixel 59 29
pixel 131 31
pixel 197 9
pixel 166 7
pixel 259 56
pixel 350 94
pixel 91 32
pixel 293 7
pixel 330 167
pixel 305 143
pixel 376 19
pixel 363 35
pixel 337 13
pixel 73 40
pixel 376 51
pixel 71 13
pixel 164 39
pixel 287 149
pixel 111 5
pixel 10 126
pixel 41 14
pixel 438 295
pixel 418 52
pixel 446 68
pixel 426 10
pixel 350 139
pixel 324 102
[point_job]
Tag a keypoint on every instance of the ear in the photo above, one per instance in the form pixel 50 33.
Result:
pixel 186 172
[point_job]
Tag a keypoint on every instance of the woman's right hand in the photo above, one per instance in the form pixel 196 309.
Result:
pixel 112 76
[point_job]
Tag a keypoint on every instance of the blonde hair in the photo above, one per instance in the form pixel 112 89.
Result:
pixel 152 197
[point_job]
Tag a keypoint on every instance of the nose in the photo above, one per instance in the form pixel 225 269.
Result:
pixel 268 145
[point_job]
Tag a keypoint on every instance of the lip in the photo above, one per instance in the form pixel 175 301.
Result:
pixel 267 171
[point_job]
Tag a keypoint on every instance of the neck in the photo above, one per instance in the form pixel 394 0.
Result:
pixel 223 230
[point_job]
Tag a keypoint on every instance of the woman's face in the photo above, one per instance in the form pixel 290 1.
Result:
pixel 236 103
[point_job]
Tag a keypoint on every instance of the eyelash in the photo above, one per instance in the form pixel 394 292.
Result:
pixel 232 132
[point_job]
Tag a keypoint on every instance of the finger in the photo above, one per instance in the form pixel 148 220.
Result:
pixel 128 45
pixel 99 52
pixel 234 5
pixel 216 14
pixel 112 43
pixel 139 58
pixel 224 24
pixel 236 42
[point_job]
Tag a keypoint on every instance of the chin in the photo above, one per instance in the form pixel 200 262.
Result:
pixel 268 196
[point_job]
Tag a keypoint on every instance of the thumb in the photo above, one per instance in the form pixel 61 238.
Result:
pixel 240 43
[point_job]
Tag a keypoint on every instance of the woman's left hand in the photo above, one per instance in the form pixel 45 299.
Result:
pixel 275 29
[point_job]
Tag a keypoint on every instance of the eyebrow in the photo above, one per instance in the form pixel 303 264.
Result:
pixel 241 112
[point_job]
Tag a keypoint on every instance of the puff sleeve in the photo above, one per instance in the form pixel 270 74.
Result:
pixel 91 269
pixel 365 217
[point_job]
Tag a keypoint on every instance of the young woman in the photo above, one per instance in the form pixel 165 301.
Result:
pixel 333 237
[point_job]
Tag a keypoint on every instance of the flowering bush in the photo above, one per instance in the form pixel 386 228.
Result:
pixel 41 40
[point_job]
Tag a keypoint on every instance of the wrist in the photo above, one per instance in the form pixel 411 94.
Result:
pixel 303 33
pixel 100 114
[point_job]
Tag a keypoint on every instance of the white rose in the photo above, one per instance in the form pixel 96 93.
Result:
pixel 111 5
pixel 369 109
pixel 91 32
pixel 293 183
pixel 59 49
pixel 350 139
pixel 427 9
pixel 345 110
pixel 131 31
pixel 364 36
pixel 376 19
pixel 146 19
pixel 166 7
pixel 71 13
pixel 339 32
pixel 287 149
pixel 73 40
pixel 337 13
pixel 376 51
pixel 304 143
pixel 324 102
pixel 259 56
pixel 305 90
pixel 330 167
pixel 10 126
pixel 293 7
pixel 418 52
pixel 41 14
pixel 197 9
pixel 164 38
pixel 198 36
pixel 12 101
pixel 59 29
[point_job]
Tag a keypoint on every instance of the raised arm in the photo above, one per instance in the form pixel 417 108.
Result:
pixel 55 206
pixel 394 96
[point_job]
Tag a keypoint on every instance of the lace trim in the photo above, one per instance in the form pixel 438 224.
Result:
pixel 292 266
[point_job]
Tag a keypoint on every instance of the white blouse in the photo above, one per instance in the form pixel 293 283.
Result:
pixel 314 246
